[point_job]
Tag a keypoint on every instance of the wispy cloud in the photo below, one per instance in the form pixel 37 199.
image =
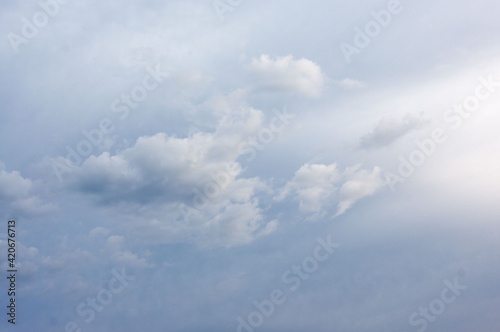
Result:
pixel 390 129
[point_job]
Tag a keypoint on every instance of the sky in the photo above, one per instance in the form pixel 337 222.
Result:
pixel 232 165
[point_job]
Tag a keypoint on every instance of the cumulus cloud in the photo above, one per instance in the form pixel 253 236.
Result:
pixel 388 130
pixel 191 187
pixel 17 195
pixel 167 167
pixel 286 73
pixel 318 187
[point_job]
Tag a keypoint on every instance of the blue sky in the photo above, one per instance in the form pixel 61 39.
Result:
pixel 235 165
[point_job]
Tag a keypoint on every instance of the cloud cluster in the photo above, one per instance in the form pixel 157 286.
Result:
pixel 188 167
pixel 158 181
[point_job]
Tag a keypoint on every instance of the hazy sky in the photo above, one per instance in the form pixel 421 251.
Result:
pixel 245 166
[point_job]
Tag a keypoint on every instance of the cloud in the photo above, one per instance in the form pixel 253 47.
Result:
pixel 388 130
pixel 318 187
pixel 167 167
pixel 361 183
pixel 312 185
pixel 183 189
pixel 17 195
pixel 285 73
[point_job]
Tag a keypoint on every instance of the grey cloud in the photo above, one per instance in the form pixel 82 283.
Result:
pixel 169 177
pixel 389 130
pixel 167 167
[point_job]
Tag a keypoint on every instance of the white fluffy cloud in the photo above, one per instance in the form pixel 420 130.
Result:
pixel 317 187
pixel 313 186
pixel 359 184
pixel 286 73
